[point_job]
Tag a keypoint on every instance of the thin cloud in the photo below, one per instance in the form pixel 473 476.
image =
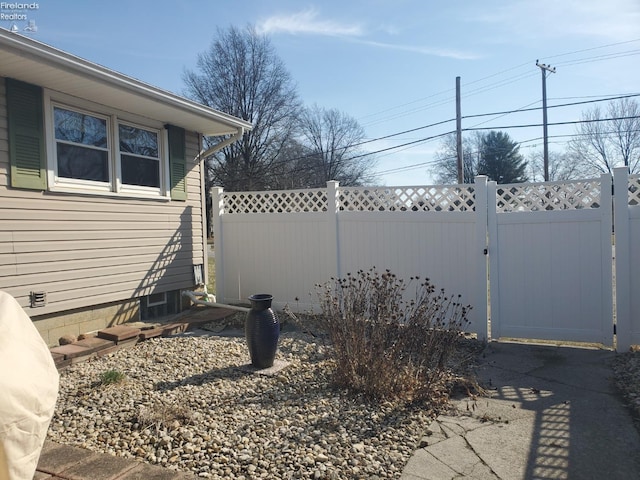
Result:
pixel 307 22
pixel 435 52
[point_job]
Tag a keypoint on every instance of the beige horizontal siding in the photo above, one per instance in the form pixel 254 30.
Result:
pixel 85 250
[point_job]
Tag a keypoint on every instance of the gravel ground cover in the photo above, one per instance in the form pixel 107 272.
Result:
pixel 626 367
pixel 186 403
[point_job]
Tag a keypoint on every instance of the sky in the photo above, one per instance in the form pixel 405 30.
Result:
pixel 389 64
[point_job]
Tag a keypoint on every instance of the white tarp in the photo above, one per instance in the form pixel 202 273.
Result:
pixel 28 391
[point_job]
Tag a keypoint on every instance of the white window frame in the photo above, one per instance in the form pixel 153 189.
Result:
pixel 163 163
pixel 157 302
pixel 75 182
pixel 115 186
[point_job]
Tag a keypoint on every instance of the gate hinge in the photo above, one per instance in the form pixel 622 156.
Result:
pixel 614 329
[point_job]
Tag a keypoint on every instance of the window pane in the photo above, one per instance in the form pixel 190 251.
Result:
pixel 138 141
pixel 82 163
pixel 140 171
pixel 80 128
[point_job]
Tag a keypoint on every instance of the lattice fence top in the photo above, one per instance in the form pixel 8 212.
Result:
pixel 277 201
pixel 634 190
pixel 531 197
pixel 441 198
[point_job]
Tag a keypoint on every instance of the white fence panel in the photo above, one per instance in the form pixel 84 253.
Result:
pixel 286 242
pixel 627 235
pixel 440 246
pixel 550 250
pixel 284 254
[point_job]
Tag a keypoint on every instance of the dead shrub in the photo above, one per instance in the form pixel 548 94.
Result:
pixel 161 415
pixel 391 339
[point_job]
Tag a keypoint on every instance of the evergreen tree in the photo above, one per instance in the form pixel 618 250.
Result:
pixel 500 159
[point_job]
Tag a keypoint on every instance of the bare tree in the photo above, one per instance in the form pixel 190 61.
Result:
pixel 241 75
pixel 561 167
pixel 446 163
pixel 604 142
pixel 331 143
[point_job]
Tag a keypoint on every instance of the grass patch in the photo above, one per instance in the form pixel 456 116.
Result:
pixel 112 377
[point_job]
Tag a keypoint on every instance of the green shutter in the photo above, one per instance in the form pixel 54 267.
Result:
pixel 26 135
pixel 177 162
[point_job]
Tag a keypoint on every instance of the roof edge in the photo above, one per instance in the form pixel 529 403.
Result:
pixel 42 52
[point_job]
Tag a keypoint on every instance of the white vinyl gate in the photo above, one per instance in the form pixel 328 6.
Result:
pixel 534 260
pixel 550 257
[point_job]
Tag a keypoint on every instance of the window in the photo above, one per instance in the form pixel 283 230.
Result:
pixel 139 156
pixel 82 147
pixel 156 299
pixel 84 156
pixel 67 144
pixel 158 305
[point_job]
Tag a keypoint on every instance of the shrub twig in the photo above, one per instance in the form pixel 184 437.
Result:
pixel 388 343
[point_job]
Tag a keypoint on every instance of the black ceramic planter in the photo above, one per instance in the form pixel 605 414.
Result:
pixel 262 331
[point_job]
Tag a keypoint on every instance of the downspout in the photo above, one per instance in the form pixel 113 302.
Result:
pixel 219 146
pixel 193 295
pixel 201 156
pixel 205 153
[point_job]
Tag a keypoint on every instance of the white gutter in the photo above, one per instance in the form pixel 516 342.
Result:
pixel 219 146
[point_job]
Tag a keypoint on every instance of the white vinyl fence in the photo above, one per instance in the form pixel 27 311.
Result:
pixel 627 258
pixel 534 260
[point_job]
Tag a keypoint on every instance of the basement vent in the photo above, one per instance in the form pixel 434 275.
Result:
pixel 38 299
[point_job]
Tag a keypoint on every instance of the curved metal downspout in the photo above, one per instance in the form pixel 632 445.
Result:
pixel 219 146
pixel 193 295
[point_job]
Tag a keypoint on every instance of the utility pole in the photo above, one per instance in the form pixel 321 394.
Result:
pixel 459 133
pixel 544 69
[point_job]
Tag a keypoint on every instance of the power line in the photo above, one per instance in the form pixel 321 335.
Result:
pixel 411 144
pixel 573 122
pixel 502 113
pixel 552 106
pixel 498 84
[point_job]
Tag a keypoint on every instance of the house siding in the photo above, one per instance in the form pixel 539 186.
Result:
pixel 87 251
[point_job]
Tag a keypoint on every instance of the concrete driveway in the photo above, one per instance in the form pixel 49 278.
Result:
pixel 552 413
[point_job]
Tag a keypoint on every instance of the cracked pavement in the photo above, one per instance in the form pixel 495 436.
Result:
pixel 550 413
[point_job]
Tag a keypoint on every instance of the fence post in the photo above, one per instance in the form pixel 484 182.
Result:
pixel 217 210
pixel 493 287
pixel 606 219
pixel 481 280
pixel 622 258
pixel 333 209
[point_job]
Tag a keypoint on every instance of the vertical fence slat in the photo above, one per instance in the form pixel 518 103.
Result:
pixel 481 213
pixel 216 217
pixel 623 259
pixel 493 279
pixel 606 208
pixel 333 234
